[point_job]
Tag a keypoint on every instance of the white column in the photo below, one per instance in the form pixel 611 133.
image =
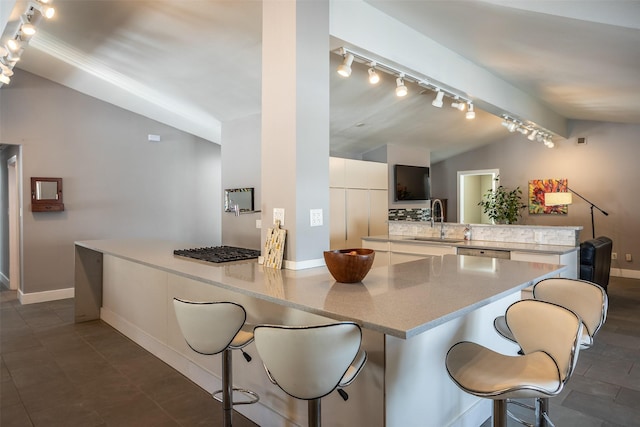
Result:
pixel 295 124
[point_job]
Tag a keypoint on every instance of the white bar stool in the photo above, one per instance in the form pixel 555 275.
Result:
pixel 309 362
pixel 212 328
pixel 587 299
pixel 549 336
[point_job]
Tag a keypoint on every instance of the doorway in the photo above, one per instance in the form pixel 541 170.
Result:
pixel 471 186
pixel 14 216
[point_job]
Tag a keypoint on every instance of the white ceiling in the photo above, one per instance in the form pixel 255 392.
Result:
pixel 194 64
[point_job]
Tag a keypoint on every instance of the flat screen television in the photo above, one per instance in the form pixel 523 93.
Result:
pixel 411 183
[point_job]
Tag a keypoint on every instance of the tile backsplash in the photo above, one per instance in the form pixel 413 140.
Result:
pixel 541 235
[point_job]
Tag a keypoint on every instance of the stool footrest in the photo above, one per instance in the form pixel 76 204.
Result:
pixel 251 396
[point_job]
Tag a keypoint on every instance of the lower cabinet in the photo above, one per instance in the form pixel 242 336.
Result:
pixel 569 259
pixel 389 253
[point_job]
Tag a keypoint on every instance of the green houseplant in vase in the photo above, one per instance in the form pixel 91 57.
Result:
pixel 502 205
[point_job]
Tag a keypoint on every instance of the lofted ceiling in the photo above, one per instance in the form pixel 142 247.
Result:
pixel 196 64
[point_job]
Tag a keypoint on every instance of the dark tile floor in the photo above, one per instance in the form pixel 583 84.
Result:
pixel 57 373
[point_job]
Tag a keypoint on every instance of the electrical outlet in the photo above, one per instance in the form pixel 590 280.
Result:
pixel 278 214
pixel 315 217
pixel 627 257
pixel 614 255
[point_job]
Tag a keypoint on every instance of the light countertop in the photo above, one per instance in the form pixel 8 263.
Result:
pixel 401 300
pixel 477 244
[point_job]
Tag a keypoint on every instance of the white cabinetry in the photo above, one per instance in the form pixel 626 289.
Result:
pixel 358 201
pixel 569 259
pixel 403 252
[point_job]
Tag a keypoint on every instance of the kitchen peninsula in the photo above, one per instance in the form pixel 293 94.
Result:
pixel 411 314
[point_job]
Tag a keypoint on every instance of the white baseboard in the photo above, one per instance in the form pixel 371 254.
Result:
pixel 302 265
pixel 35 297
pixel 629 274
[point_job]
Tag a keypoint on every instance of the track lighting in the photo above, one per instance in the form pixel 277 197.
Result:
pixel 46 11
pixel 6 71
pixel 401 89
pixel 470 113
pixel 532 135
pixel 460 105
pixel 344 69
pixel 373 76
pixel 438 101
pixel 26 27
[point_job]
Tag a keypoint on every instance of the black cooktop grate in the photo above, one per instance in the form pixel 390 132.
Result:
pixel 218 253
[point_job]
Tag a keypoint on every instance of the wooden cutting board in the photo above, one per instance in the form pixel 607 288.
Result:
pixel 274 246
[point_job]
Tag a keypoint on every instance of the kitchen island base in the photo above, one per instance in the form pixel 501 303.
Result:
pixel 404 382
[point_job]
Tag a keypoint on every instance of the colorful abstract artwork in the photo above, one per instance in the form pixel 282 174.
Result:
pixel 537 188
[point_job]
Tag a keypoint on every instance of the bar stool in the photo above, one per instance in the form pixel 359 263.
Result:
pixel 216 327
pixel 587 299
pixel 309 362
pixel 549 336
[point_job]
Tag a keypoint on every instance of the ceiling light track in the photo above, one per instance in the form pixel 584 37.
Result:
pixel 530 130
pixel 402 76
pixel 12 47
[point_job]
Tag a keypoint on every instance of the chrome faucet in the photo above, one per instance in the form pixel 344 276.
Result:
pixel 433 205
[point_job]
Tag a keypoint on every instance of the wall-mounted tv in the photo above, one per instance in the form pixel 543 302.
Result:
pixel 411 183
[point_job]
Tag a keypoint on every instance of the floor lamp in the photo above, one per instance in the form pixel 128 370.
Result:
pixel 564 198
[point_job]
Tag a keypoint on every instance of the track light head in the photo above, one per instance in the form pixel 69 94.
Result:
pixel 438 101
pixel 46 11
pixel 460 105
pixel 344 69
pixel 401 89
pixel 471 114
pixel 511 127
pixel 532 135
pixel 4 79
pixel 374 78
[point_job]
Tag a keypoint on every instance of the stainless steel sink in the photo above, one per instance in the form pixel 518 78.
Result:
pixel 437 239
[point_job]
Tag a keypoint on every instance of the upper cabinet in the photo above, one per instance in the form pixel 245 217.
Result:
pixel 46 195
pixel 347 173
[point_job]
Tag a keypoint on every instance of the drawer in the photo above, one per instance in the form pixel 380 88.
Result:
pixel 422 249
pixel 489 253
pixel 376 246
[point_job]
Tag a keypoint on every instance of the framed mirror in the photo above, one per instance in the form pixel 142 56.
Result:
pixel 46 195
pixel 238 200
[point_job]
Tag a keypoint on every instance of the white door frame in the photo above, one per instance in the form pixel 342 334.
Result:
pixel 15 222
pixel 462 174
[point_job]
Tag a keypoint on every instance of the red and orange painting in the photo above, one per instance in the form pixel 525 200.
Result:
pixel 537 188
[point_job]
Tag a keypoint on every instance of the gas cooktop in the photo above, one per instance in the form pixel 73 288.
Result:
pixel 218 254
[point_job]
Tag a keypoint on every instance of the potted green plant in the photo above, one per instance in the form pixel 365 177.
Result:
pixel 501 205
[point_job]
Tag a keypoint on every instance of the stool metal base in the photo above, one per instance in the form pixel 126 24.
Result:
pixel 540 409
pixel 252 398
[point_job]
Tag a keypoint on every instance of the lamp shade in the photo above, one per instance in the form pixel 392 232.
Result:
pixel 555 199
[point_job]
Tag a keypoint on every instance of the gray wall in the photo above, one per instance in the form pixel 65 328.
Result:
pixel 605 171
pixel 241 168
pixel 116 184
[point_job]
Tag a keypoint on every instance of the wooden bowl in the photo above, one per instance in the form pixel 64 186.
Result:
pixel 349 265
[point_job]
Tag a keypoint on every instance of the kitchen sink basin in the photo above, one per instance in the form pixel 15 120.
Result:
pixel 437 239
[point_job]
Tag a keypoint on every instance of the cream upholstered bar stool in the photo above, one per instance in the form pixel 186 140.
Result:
pixel 217 327
pixel 587 299
pixel 549 336
pixel 309 362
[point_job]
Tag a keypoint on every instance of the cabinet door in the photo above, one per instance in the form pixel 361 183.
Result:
pixel 336 172
pixel 378 212
pixel 357 216
pixel 337 218
pixel 398 257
